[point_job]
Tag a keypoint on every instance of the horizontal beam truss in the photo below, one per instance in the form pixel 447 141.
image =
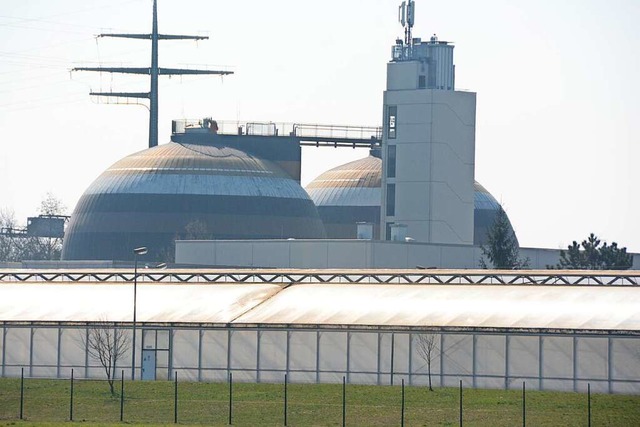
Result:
pixel 477 277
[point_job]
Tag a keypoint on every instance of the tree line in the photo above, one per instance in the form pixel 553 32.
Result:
pixel 18 248
pixel 502 251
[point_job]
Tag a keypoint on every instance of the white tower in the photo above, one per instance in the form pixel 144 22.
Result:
pixel 428 142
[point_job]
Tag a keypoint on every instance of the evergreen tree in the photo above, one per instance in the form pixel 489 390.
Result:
pixel 501 250
pixel 590 255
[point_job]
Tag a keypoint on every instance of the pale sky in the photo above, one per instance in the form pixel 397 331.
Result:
pixel 558 112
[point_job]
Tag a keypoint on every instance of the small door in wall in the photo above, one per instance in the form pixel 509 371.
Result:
pixel 148 365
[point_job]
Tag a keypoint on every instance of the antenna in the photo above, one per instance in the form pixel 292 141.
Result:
pixel 154 71
pixel 406 17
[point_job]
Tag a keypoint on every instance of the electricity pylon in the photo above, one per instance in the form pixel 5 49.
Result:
pixel 154 71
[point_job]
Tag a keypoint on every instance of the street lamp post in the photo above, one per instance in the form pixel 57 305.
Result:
pixel 137 251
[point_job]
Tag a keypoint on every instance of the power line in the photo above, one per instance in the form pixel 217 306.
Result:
pixel 154 71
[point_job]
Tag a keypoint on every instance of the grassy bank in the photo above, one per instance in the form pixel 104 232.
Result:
pixel 47 403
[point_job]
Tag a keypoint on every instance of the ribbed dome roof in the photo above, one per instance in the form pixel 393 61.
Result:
pixel 149 198
pixel 351 193
pixel 355 183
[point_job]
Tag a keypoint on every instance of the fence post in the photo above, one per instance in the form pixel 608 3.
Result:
pixel 285 400
pixel 175 400
pixel 122 396
pixel 589 402
pixel 344 401
pixel 230 398
pixel 71 401
pixel 524 405
pixel 21 393
pixel 402 410
pixel 460 403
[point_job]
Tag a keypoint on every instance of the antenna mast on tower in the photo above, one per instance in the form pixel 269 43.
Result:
pixel 154 71
pixel 406 16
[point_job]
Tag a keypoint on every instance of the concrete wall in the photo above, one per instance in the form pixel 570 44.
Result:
pixel 344 254
pixel 435 151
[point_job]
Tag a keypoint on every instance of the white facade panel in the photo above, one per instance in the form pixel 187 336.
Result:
pixel 457 360
pixel 185 348
pixel 244 350
pixel 273 351
pixel 557 363
pixel 592 354
pixel 215 349
pixel 269 254
pixel 363 358
pixel 45 352
pixel 17 351
pixel 333 352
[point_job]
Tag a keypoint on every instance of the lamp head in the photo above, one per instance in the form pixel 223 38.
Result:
pixel 140 251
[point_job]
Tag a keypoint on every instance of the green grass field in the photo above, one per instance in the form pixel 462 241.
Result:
pixel 47 403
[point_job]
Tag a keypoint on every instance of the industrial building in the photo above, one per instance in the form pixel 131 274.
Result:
pixel 241 181
pixel 302 295
pixel 492 329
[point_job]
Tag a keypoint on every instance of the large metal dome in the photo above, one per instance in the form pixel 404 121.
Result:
pixel 351 193
pixel 348 194
pixel 152 197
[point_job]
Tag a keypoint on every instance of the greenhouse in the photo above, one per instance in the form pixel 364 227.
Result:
pixel 557 331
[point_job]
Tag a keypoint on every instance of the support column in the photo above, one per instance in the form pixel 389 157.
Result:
pixel 259 338
pixel 540 362
pixel 348 373
pixel 4 349
pixel 31 332
pixel 379 357
pixel 170 370
pixel 507 343
pixel 318 357
pixel 200 334
pixel 609 365
pixel 288 363
pixel 473 358
pixel 441 359
pixel 410 358
pixel 228 352
pixel 59 352
pixel 575 364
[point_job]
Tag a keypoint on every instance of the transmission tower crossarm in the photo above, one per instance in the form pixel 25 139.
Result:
pixel 145 95
pixel 149 36
pixel 121 70
pixel 181 37
pixel 182 71
pixel 126 36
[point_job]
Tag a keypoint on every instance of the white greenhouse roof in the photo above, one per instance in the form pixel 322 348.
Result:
pixel 406 305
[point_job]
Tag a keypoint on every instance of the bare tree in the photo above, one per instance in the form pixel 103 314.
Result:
pixel 427 346
pixel 106 344
pixel 8 247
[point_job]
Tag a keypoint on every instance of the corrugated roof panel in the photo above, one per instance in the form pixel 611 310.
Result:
pixel 470 306
pixel 569 307
pixel 219 303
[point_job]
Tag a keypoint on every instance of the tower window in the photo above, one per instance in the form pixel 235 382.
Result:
pixel 391 199
pixel 422 82
pixel 392 113
pixel 391 161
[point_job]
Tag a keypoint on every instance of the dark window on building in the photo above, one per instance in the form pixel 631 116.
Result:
pixel 391 161
pixel 391 199
pixel 388 231
pixel 422 82
pixel 392 121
